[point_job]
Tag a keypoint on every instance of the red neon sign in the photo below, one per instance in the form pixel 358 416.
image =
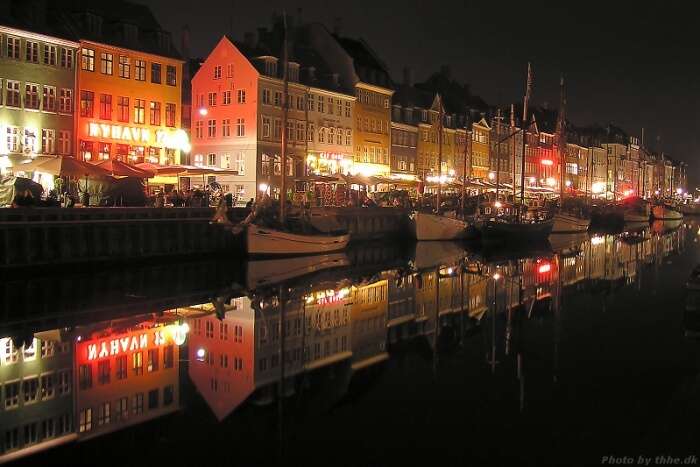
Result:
pixel 546 267
pixel 546 162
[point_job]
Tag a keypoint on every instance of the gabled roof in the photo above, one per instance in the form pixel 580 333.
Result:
pixel 368 66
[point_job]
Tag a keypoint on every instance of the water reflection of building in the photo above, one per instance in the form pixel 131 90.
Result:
pixel 36 405
pixel 369 318
pixel 127 373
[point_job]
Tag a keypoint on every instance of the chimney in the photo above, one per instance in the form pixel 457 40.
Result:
pixel 249 39
pixel 512 115
pixel 337 26
pixel 185 46
pixel 407 76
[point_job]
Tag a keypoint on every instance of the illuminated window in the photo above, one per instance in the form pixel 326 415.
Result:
pixel 103 372
pixel 154 113
pixel 139 111
pixel 137 363
pixel 156 74
pixel 265 127
pixel 311 128
pixel 87 62
pixel 103 413
pixel 66 58
pixel 106 63
pixel 171 76
pixel 211 128
pixel 87 103
pixel 49 100
pixel 321 135
pixel 50 55
pixel 31 96
pixel 48 146
pixel 32 51
pixel 170 115
pixel 347 109
pixel 13 47
pixel 11 395
pixel 209 329
pixel 30 389
pixel 106 106
pixel 211 160
pixel 168 356
pixel 348 137
pixel 124 67
pixel 217 72
pixel 229 70
pixel 65 101
pixel 240 127
pixel 278 99
pixel 226 127
pixel 140 70
pixel 330 105
pixel 241 96
pixel 199 129
pixel 85 420
pixel 300 131
pixel 331 135
pixel 225 98
pixel 64 382
pixel 339 136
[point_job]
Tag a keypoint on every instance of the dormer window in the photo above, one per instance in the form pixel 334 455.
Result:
pixel 293 72
pixel 130 33
pixel 271 66
pixel 424 115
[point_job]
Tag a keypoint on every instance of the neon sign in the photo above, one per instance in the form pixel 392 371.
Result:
pixel 169 139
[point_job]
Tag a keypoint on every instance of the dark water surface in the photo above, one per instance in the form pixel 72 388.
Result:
pixel 568 353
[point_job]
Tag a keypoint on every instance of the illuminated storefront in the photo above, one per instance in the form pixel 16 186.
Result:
pixel 129 105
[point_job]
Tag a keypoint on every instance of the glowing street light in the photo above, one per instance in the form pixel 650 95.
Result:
pixel 201 353
pixel 203 111
pixel 492 175
pixel 263 187
pixel 496 276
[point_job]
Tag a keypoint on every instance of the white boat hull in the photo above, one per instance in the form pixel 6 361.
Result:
pixel 264 241
pixel 665 213
pixel 271 271
pixel 566 223
pixel 436 227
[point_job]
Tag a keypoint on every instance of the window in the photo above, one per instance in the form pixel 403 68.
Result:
pixel 300 131
pixel 106 63
pixel 124 67
pixel 211 159
pixel 139 111
pixel 123 109
pixel 103 413
pixel 66 58
pixel 278 98
pixel 49 100
pixel 339 136
pixel 238 334
pixel 238 364
pixel 103 372
pixel 330 105
pixel 47 349
pixel 331 135
pixel 265 127
pixel 310 132
pixel 32 51
pixel 240 127
pixel 85 376
pixel 31 434
pixel 348 137
pixel 48 386
pixel 239 163
pixel 226 161
pixel 103 150
pixel 241 96
pixel 290 131
pixel 266 96
pixel 12 142
pixel 310 103
pixel 65 101
pixel 347 109
pixel 277 129
pixel 321 104
pixel 64 382
pixel 212 99
pixel 106 106
pixel 121 367
pixel 223 361
pixel 85 420
pixel 171 76
pixel 11 439
pixel 12 395
pixel 31 96
pixel 87 103
pixel 229 70
pixel 211 128
pixel 140 70
pixel 13 46
pixel 137 363
pixel 155 73
pixel 48 146
pixel 199 129
pixel 153 399
pixel 50 55
pixel 154 113
pixel 168 357
pixel 226 127
pixel 168 394
pixel 170 115
pixel 322 135
pixel 152 360
pixel 48 428
pixel 217 72
pixel 226 98
pixel 137 403
pixel 87 61
pixel 30 389
pixel 121 409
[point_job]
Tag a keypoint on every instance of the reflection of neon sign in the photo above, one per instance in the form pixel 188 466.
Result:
pixel 158 337
pixel 327 297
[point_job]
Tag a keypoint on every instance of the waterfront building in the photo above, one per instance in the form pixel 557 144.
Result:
pixel 37 91
pixel 480 158
pixel 36 401
pixel 127 373
pixel 404 143
pixel 370 305
pixel 129 86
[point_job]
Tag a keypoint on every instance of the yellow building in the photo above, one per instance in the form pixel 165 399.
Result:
pixel 481 132
pixel 372 130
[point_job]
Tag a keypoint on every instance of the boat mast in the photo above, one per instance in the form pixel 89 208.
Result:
pixel 561 141
pixel 285 110
pixel 512 132
pixel 439 185
pixel 467 139
pixel 528 91
pixel 498 154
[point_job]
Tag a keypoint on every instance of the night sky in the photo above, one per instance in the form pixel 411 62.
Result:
pixel 633 65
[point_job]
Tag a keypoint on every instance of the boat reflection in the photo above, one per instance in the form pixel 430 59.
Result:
pixel 291 328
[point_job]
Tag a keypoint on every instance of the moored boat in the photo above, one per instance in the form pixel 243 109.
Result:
pixel 502 229
pixel 565 223
pixel 429 226
pixel 666 212
pixel 690 209
pixel 266 241
pixel 271 271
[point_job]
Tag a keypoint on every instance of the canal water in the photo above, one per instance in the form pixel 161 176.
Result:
pixel 579 351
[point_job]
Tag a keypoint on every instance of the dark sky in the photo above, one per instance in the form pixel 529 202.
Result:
pixel 624 62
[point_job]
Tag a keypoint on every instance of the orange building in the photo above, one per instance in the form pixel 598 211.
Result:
pixel 129 105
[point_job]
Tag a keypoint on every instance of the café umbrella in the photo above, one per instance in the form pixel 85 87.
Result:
pixel 122 169
pixel 70 167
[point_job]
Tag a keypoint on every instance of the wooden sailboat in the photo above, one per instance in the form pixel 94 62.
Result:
pixel 573 219
pixel 436 225
pixel 518 227
pixel 664 211
pixel 262 240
